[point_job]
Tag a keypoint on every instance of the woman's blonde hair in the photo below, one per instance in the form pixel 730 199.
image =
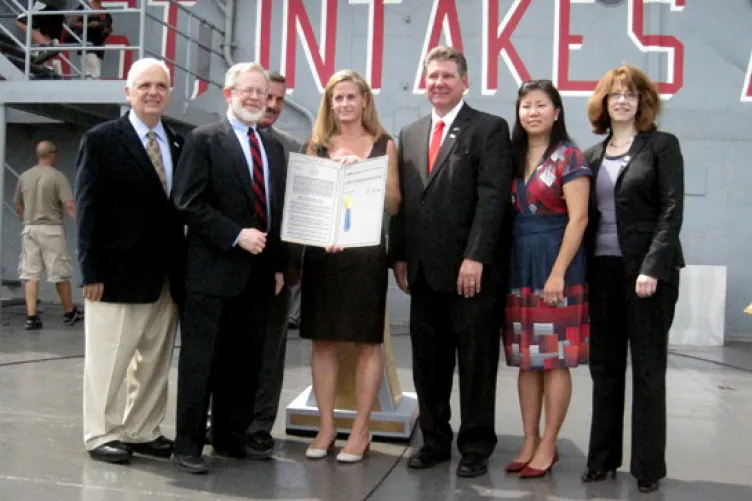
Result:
pixel 327 125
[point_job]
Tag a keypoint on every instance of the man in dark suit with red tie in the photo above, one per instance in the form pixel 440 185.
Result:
pixel 455 174
pixel 230 192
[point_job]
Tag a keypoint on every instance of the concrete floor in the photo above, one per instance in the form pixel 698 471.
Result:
pixel 42 458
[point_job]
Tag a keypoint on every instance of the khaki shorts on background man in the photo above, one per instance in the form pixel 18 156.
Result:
pixel 43 246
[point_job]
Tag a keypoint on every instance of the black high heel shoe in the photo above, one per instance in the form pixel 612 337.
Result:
pixel 591 476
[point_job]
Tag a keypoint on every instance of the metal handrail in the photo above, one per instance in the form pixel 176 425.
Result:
pixel 9 206
pixel 28 45
pixel 187 37
pixel 193 14
pixel 81 44
pixel 190 39
pixel 12 171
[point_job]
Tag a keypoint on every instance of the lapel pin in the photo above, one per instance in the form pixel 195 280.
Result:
pixel 176 145
pixel 451 136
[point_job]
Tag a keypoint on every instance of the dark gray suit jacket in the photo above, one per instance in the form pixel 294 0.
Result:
pixel 290 144
pixel 214 193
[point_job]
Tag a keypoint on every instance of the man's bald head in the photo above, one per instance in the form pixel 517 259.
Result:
pixel 46 151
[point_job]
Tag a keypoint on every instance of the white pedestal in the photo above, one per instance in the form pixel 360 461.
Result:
pixel 393 417
pixel 302 415
pixel 701 310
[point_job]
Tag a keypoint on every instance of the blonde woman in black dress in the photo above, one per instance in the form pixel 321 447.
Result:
pixel 343 296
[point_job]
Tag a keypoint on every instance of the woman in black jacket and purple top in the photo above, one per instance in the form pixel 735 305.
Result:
pixel 634 258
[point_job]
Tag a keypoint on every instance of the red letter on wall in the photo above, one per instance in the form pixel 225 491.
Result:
pixel 564 42
pixel 297 24
pixel 263 32
pixel 497 41
pixel 443 20
pixel 747 90
pixel 375 56
pixel 673 48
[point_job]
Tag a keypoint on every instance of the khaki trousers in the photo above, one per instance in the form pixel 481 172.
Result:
pixel 131 344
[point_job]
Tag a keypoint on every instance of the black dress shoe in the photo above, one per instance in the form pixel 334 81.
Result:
pixel 189 464
pixel 427 458
pixel 112 452
pixel 472 465
pixel 161 447
pixel 260 445
pixel 647 486
pixel 591 476
pixel 233 451
pixel 261 438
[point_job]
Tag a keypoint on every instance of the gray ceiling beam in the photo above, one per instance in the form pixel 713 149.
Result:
pixel 64 91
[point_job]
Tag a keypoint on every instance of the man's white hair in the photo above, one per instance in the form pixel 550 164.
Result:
pixel 237 69
pixel 141 65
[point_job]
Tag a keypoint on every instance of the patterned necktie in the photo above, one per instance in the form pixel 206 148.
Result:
pixel 259 184
pixel 155 155
pixel 433 150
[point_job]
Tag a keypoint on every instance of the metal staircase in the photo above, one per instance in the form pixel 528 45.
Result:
pixel 193 47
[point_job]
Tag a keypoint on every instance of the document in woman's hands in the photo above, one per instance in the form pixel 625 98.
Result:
pixel 327 204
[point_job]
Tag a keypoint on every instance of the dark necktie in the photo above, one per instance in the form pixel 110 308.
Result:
pixel 259 186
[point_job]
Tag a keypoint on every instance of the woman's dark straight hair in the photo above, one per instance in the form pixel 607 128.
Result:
pixel 519 135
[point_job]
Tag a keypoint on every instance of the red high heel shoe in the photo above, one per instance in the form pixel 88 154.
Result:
pixel 528 472
pixel 516 466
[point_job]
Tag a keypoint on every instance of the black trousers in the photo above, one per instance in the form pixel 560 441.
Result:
pixel 273 364
pixel 619 317
pixel 221 350
pixel 446 327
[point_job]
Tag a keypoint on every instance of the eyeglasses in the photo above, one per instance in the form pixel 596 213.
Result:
pixel 252 91
pixel 628 96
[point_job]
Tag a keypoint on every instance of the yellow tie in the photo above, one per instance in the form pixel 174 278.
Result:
pixel 155 155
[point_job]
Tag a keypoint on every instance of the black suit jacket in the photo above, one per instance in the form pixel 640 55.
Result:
pixel 289 144
pixel 456 212
pixel 214 192
pixel 649 200
pixel 130 237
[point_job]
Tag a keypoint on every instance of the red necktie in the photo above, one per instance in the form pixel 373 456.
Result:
pixel 433 150
pixel 259 186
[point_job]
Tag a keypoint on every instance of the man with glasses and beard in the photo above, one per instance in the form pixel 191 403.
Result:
pixel 275 343
pixel 230 192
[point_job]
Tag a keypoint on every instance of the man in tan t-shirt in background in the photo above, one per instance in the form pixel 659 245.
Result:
pixel 42 194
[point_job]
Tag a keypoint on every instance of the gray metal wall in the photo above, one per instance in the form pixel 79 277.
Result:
pixel 706 108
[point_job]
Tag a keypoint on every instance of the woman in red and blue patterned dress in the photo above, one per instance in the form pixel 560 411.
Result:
pixel 546 329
